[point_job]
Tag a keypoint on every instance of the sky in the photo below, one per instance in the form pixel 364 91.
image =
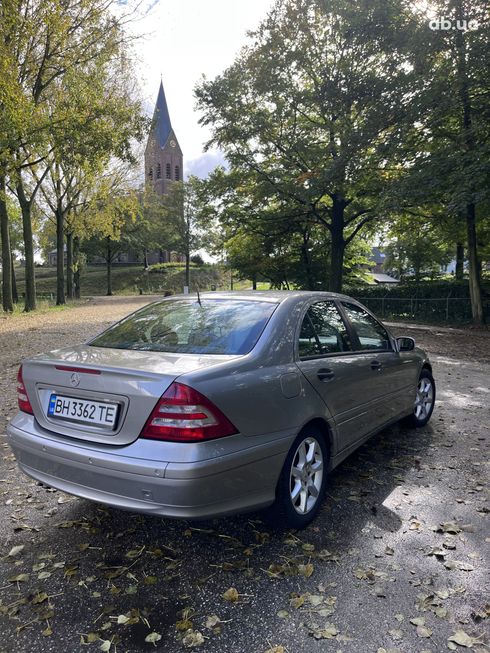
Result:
pixel 184 39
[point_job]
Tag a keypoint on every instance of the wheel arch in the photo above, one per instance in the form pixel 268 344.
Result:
pixel 324 429
pixel 427 366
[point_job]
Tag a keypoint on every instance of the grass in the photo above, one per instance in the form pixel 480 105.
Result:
pixel 128 280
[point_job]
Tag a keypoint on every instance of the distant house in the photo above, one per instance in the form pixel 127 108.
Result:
pixel 380 277
pixel 376 268
pixel 53 256
pixel 377 260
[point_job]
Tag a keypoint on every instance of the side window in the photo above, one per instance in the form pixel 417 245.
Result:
pixel 323 331
pixel 371 334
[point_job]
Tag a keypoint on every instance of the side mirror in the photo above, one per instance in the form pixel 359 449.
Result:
pixel 405 343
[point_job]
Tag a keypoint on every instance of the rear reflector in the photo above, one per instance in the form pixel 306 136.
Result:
pixel 22 398
pixel 183 414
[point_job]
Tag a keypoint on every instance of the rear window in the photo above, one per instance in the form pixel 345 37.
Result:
pixel 184 326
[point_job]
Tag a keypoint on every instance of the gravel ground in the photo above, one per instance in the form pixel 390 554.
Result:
pixel 396 562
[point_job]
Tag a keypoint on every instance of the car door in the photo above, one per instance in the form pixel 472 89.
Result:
pixel 328 355
pixel 391 386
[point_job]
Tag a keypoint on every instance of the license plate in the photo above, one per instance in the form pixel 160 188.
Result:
pixel 99 413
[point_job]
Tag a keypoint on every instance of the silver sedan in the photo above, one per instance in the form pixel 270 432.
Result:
pixel 200 407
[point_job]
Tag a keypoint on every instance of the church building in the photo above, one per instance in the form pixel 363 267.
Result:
pixel 163 156
pixel 163 164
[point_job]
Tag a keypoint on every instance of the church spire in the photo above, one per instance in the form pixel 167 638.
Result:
pixel 161 125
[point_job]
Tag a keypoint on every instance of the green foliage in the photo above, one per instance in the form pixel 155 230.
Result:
pixel 310 117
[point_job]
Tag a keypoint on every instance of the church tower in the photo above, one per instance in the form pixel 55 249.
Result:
pixel 163 156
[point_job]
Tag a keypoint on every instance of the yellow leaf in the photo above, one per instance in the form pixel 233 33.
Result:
pixel 231 595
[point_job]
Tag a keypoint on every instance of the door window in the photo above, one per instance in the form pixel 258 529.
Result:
pixel 323 331
pixel 371 334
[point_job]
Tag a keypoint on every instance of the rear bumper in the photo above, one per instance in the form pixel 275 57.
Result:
pixel 121 477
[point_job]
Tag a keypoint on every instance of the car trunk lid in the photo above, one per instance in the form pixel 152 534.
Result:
pixel 120 383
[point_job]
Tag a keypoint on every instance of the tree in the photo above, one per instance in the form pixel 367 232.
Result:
pixel 447 152
pixel 186 215
pixel 48 46
pixel 115 222
pixel 313 109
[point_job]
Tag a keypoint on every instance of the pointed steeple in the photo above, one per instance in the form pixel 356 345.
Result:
pixel 161 125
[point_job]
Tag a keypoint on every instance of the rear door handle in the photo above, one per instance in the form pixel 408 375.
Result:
pixel 375 365
pixel 324 374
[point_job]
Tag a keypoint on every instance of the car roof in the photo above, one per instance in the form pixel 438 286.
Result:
pixel 276 296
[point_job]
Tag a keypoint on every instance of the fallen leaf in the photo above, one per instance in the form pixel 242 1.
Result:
pixel 463 639
pixel 231 595
pixel 306 570
pixel 418 621
pixel 297 601
pixel 422 631
pixel 212 621
pixel 153 638
pixel 192 639
pixel 396 633
pixel 15 550
pixel 20 578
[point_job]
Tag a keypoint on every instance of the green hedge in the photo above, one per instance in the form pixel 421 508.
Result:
pixel 428 301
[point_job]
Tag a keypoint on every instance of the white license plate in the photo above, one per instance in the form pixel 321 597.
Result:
pixel 99 413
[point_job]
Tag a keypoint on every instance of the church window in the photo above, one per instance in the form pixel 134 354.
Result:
pixel 159 171
pixel 168 173
pixel 177 173
pixel 150 174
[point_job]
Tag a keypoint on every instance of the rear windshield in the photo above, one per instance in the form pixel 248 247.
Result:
pixel 184 326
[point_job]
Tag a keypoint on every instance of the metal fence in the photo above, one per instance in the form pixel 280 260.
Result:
pixel 434 309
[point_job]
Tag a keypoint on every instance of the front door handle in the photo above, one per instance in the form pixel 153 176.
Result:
pixel 375 365
pixel 324 374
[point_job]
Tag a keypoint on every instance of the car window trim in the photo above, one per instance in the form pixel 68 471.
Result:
pixel 390 348
pixel 347 325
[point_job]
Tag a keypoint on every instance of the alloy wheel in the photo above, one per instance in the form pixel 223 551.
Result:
pixel 306 475
pixel 424 399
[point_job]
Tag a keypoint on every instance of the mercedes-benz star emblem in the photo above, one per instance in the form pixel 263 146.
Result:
pixel 74 379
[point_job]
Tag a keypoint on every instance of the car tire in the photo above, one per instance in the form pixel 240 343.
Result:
pixel 302 484
pixel 424 401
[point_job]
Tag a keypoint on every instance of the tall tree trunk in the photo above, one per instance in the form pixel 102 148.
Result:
pixel 188 269
pixel 30 275
pixel 60 256
pixel 338 245
pixel 305 255
pixel 15 294
pixel 459 261
pixel 474 266
pixel 7 297
pixel 69 265
pixel 109 267
pixel 76 264
pixel 188 255
pixel 467 128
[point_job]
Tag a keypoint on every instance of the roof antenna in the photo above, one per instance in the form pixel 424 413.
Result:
pixel 198 297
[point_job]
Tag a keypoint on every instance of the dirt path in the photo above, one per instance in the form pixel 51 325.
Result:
pixel 396 562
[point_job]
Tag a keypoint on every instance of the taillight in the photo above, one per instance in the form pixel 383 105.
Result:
pixel 183 414
pixel 22 398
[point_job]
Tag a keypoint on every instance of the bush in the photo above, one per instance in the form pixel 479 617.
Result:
pixel 427 301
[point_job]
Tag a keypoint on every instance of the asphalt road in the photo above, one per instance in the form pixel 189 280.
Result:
pixel 397 560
